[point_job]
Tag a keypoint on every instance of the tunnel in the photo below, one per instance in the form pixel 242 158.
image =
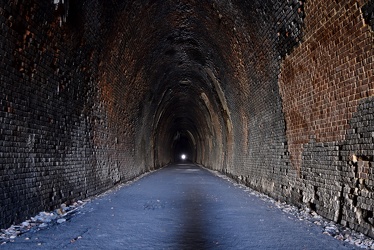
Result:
pixel 275 94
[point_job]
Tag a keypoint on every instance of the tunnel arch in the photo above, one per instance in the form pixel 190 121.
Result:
pixel 256 89
pixel 190 67
pixel 196 112
pixel 178 114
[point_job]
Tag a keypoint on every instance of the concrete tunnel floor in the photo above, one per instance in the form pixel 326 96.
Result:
pixel 181 206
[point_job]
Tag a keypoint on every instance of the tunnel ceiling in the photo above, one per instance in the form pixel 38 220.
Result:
pixel 179 76
pixel 180 67
pixel 192 53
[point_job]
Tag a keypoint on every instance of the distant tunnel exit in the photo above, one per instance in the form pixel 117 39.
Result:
pixel 183 149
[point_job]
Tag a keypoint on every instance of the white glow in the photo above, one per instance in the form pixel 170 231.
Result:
pixel 183 156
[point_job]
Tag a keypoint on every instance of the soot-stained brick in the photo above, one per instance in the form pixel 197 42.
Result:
pixel 368 12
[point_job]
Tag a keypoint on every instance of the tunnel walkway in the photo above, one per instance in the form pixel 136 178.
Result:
pixel 179 207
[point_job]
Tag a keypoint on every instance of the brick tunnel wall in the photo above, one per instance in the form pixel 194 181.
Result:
pixel 306 113
pixel 63 136
pixel 282 98
pixel 326 86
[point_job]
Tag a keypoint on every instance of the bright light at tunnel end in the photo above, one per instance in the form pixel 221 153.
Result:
pixel 183 156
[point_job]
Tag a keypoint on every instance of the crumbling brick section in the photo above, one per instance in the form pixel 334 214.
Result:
pixel 327 84
pixel 290 21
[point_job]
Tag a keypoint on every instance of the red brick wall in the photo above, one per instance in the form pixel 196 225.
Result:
pixel 327 85
pixel 325 78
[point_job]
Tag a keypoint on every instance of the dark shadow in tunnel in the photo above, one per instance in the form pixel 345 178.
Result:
pixel 193 234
